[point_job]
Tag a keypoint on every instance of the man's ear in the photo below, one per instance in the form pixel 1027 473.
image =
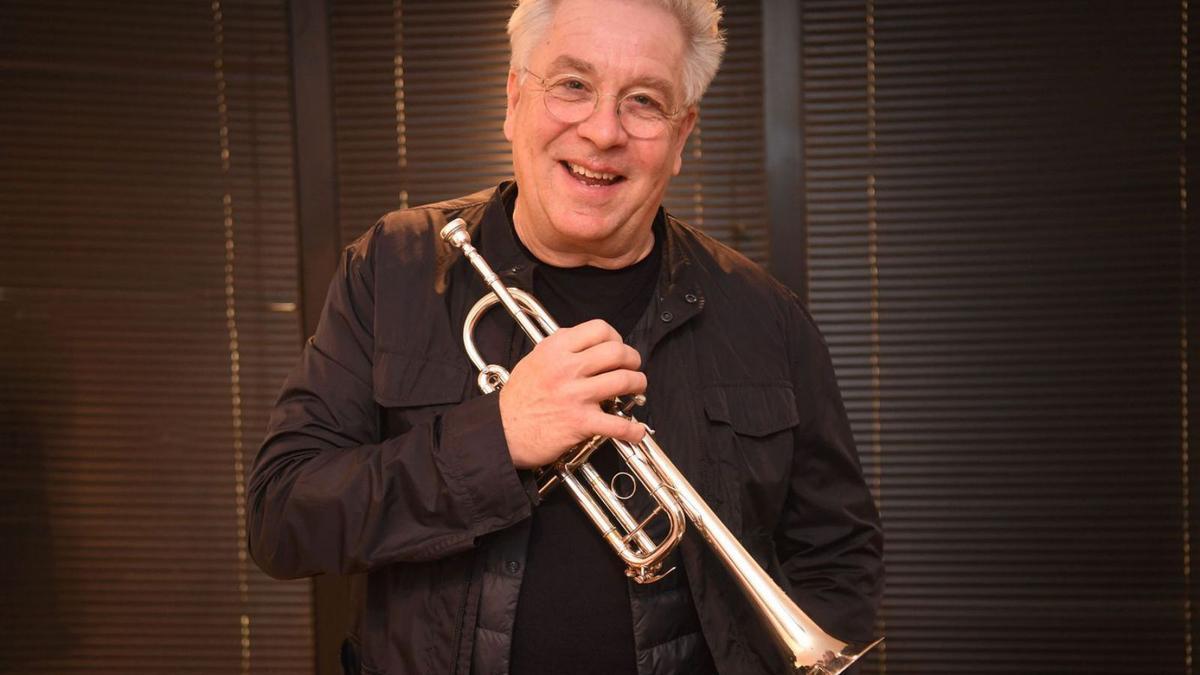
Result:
pixel 685 129
pixel 514 96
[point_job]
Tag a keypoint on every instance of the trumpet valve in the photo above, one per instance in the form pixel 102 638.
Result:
pixel 644 575
pixel 624 405
pixel 492 378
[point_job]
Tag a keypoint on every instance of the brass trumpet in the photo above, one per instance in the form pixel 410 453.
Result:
pixel 813 651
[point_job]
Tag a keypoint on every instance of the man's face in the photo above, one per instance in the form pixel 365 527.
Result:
pixel 623 45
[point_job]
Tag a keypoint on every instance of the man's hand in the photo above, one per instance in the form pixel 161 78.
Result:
pixel 552 399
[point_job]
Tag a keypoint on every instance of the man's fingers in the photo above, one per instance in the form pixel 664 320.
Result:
pixel 614 426
pixel 553 398
pixel 608 356
pixel 589 333
pixel 614 383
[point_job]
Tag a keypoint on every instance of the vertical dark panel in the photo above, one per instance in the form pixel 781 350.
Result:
pixel 320 242
pixel 316 180
pixel 781 48
pixel 1189 189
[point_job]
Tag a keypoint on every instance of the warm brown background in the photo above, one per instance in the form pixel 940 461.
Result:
pixel 990 207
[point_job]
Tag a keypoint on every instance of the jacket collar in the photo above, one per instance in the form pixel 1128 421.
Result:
pixel 679 296
pixel 498 242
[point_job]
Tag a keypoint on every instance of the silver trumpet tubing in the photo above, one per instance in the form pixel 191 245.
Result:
pixel 813 651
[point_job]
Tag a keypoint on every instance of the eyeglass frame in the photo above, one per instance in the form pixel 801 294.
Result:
pixel 544 83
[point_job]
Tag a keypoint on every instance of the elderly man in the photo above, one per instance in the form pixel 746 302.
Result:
pixel 382 458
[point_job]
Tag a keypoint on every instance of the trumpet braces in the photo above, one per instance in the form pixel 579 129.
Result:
pixel 813 651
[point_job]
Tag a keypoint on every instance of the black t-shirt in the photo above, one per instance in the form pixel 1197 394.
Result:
pixel 573 614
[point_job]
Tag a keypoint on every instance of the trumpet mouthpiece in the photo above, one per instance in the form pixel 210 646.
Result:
pixel 455 233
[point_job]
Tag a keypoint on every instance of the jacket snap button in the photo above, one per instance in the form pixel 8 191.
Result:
pixel 666 317
pixel 691 298
pixel 513 566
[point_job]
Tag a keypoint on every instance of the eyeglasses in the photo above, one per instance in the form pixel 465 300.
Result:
pixel 572 99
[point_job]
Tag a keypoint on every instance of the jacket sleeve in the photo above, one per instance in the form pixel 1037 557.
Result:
pixel 829 537
pixel 327 494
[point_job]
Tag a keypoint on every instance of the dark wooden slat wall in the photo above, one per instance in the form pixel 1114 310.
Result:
pixel 998 256
pixel 997 238
pixel 148 291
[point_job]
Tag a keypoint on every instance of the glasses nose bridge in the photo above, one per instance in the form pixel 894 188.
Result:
pixel 617 99
pixel 616 111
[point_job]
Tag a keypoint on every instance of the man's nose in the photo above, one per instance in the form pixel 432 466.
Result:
pixel 603 127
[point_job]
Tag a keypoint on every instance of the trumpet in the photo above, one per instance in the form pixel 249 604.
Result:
pixel 676 502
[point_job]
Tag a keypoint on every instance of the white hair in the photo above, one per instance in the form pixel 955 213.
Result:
pixel 699 19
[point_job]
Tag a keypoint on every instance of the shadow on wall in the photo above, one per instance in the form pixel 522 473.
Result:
pixel 32 602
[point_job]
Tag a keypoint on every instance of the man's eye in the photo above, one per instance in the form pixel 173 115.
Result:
pixel 570 88
pixel 645 104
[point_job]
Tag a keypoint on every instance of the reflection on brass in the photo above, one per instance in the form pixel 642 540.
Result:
pixel 813 651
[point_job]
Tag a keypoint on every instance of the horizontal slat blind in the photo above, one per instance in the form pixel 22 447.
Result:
pixel 722 186
pixel 366 132
pixel 147 289
pixel 419 99
pixel 455 58
pixel 998 257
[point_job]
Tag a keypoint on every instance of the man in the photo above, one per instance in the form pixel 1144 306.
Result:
pixel 382 457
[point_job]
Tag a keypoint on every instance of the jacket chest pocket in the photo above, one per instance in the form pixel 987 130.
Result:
pixel 412 389
pixel 751 428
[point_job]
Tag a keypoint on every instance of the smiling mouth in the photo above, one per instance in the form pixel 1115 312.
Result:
pixel 591 178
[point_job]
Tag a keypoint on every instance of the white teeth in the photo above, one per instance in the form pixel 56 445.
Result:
pixel 575 168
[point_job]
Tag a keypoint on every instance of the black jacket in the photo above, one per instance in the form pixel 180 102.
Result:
pixel 383 458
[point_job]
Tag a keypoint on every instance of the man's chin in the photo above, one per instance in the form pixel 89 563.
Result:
pixel 588 229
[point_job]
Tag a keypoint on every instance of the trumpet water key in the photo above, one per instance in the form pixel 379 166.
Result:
pixel 813 651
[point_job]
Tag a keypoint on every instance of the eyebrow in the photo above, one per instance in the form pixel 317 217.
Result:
pixel 567 62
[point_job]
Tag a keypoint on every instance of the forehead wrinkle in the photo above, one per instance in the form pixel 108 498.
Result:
pixel 568 62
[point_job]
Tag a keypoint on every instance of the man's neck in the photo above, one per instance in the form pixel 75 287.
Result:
pixel 609 255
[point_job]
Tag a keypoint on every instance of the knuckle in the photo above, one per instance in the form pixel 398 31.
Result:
pixel 630 430
pixel 635 357
pixel 602 328
pixel 619 352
